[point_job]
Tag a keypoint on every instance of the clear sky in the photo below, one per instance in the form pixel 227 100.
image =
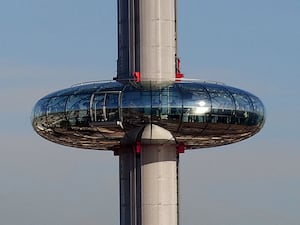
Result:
pixel 47 45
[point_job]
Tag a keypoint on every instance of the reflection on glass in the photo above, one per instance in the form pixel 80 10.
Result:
pixel 98 108
pixel 258 110
pixel 77 108
pixel 174 105
pixel 112 107
pixel 196 106
pixel 56 111
pixel 40 111
pixel 202 108
pixel 41 107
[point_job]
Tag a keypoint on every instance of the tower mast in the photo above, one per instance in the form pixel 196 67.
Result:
pixel 147 40
pixel 148 162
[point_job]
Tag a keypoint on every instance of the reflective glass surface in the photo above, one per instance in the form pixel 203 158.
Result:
pixel 98 115
pixel 78 110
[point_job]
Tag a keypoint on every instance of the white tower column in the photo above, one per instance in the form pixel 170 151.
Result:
pixel 159 189
pixel 159 185
pixel 157 41
pixel 147 41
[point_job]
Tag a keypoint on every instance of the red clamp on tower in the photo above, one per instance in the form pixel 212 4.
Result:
pixel 180 148
pixel 179 75
pixel 137 76
pixel 138 147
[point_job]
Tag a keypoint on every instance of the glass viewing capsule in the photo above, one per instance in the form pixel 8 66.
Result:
pixel 98 115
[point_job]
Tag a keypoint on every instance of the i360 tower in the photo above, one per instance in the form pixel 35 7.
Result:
pixel 149 114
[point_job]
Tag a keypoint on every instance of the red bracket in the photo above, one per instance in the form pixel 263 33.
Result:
pixel 137 76
pixel 180 148
pixel 138 147
pixel 178 75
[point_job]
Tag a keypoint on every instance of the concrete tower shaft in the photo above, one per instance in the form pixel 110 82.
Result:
pixel 148 177
pixel 147 41
pixel 159 177
pixel 147 55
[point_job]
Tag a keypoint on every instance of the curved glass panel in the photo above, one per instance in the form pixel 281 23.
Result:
pixel 40 108
pixel 222 104
pixel 136 107
pixel 112 106
pixel 242 102
pixel 105 107
pixel 77 110
pixel 172 104
pixel 196 104
pixel 56 111
pixel 196 109
pixel 98 114
pixel 244 107
pixel 258 109
pixel 141 107
pixel 39 119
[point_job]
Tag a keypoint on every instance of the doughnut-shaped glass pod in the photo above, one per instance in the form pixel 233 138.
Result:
pixel 97 115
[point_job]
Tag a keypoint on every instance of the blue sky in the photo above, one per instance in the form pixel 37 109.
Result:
pixel 48 45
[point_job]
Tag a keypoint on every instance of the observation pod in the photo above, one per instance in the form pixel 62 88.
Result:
pixel 101 115
pixel 146 117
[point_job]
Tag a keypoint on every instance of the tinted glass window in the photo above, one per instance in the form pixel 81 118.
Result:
pixel 258 109
pixel 41 107
pixel 57 104
pixel 78 109
pixel 220 99
pixel 112 107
